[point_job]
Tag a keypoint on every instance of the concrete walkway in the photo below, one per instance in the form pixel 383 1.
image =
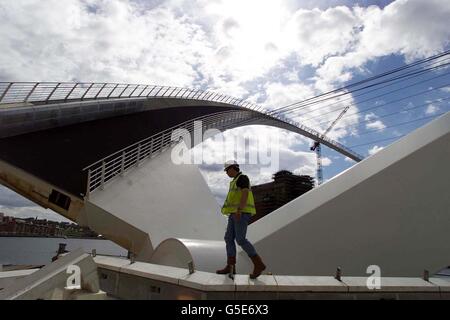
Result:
pixel 123 280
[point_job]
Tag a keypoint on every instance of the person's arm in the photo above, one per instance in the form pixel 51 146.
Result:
pixel 243 198
pixel 244 184
pixel 242 203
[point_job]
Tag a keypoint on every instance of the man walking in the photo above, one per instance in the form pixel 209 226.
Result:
pixel 239 206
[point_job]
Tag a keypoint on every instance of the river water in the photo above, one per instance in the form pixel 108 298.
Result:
pixel 39 251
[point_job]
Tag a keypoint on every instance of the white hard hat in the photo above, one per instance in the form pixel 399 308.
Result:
pixel 230 163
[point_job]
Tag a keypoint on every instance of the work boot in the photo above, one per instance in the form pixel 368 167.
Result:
pixel 231 264
pixel 259 267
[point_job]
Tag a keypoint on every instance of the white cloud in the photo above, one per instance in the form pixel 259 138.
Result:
pixel 372 122
pixel 431 109
pixel 317 35
pixel 280 94
pixel 377 125
pixel 63 40
pixel 326 162
pixel 370 116
pixel 219 44
pixel 247 37
pixel 413 28
pixel 375 149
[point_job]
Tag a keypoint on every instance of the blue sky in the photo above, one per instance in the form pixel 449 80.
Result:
pixel 418 110
pixel 270 52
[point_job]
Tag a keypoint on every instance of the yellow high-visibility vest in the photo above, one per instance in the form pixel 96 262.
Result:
pixel 233 200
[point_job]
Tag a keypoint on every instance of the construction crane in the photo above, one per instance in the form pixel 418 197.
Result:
pixel 317 148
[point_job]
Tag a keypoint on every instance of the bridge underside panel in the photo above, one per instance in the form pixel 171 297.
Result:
pixel 58 155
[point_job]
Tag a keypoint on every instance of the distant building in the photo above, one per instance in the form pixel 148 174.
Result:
pixel 33 227
pixel 285 187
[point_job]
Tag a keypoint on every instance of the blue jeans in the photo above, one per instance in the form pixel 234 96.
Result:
pixel 237 230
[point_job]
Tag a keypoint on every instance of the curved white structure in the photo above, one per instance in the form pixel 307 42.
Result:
pixel 207 255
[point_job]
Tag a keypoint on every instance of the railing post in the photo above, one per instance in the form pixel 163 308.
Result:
pixel 170 94
pixel 88 89
pixel 151 147
pixel 114 89
pixel 140 93
pixel 52 92
pixel 185 90
pixel 208 96
pixel 120 95
pixel 102 183
pixel 194 93
pixel 70 92
pixel 190 91
pixel 138 155
pixel 101 89
pixel 197 94
pixel 176 95
pixel 31 92
pixel 204 95
pixel 200 93
pixel 158 92
pixel 165 92
pixel 131 94
pixel 6 91
pixel 88 189
pixel 122 164
pixel 191 94
pixel 148 94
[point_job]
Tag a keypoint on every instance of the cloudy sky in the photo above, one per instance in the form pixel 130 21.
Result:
pixel 270 52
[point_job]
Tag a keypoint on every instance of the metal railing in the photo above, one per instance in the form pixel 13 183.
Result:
pixel 54 92
pixel 116 164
